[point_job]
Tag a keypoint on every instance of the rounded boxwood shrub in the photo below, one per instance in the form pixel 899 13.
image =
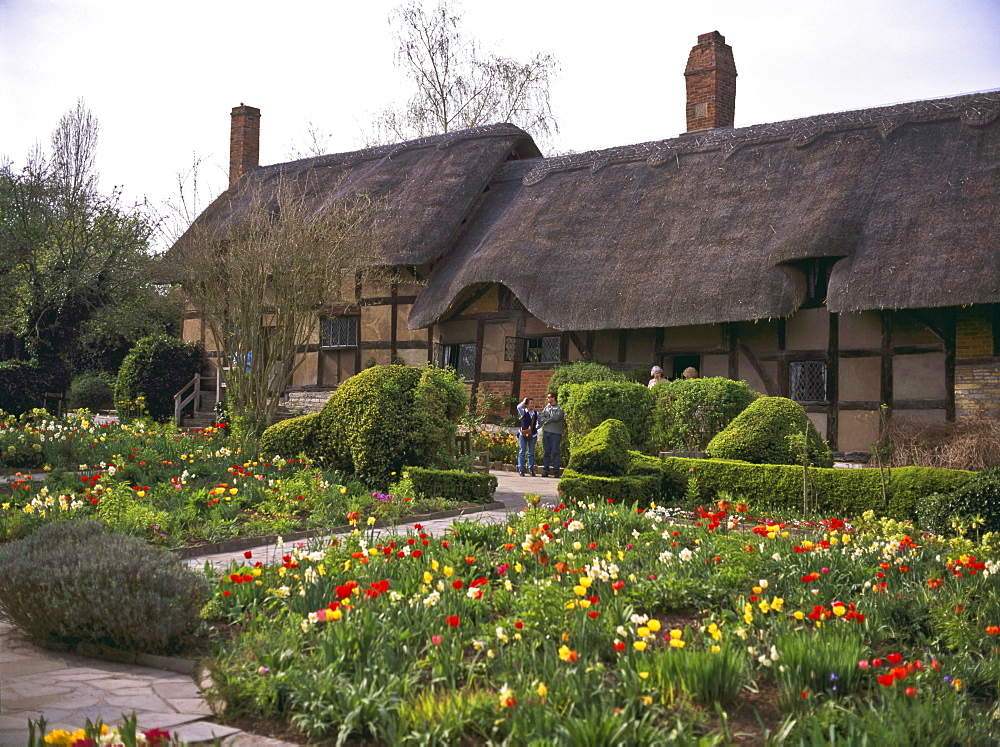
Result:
pixel 761 435
pixel 92 392
pixel 591 404
pixel 604 451
pixel 688 413
pixel 388 416
pixel 582 372
pixel 72 582
pixel 156 369
pixel 289 438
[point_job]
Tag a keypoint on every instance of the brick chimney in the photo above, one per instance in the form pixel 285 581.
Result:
pixel 244 141
pixel 711 83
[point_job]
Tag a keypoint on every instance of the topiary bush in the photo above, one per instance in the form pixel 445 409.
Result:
pixel 604 451
pixel 688 413
pixel 588 405
pixel 979 497
pixel 582 372
pixel 289 438
pixel 156 369
pixel 439 401
pixel 388 416
pixel 763 434
pixel 72 582
pixel 91 391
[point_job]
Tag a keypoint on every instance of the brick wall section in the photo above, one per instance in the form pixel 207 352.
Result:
pixel 244 141
pixel 489 400
pixel 977 390
pixel 534 383
pixel 711 83
pixel 974 333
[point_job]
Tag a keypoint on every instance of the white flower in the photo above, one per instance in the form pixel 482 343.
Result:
pixel 685 554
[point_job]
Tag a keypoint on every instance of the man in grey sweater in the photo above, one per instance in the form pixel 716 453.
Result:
pixel 551 419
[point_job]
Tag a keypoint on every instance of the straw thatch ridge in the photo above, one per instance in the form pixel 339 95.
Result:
pixel 426 187
pixel 718 225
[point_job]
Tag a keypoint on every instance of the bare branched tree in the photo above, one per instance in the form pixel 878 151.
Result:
pixel 458 84
pixel 260 280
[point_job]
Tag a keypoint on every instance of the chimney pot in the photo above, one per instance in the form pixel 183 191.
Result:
pixel 244 141
pixel 711 83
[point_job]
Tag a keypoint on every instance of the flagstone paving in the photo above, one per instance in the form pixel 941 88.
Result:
pixel 67 689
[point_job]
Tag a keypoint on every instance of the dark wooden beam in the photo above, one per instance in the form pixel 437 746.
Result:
pixel 515 386
pixel 580 346
pixel 388 345
pixel 939 331
pixel 622 345
pixel 467 303
pixel 769 384
pixel 885 370
pixel 392 322
pixel 495 376
pixel 833 381
pixel 732 330
pixel 386 300
pixel 921 404
pixel 861 404
pixel 950 348
pixel 591 335
pixel 995 319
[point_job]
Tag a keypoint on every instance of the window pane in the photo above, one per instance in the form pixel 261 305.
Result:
pixel 466 365
pixel 807 381
pixel 339 332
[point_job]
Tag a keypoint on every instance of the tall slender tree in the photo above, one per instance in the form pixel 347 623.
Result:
pixel 458 84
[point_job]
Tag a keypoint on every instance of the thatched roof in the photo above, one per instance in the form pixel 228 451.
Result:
pixel 427 185
pixel 708 227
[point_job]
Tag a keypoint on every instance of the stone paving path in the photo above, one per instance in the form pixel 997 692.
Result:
pixel 68 689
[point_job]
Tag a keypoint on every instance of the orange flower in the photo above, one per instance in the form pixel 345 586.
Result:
pixel 935 583
pixel 993 630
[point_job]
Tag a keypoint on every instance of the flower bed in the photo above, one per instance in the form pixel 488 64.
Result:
pixel 177 487
pixel 638 625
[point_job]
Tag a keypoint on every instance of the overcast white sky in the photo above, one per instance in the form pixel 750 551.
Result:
pixel 162 77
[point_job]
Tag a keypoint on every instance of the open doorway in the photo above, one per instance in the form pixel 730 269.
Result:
pixel 681 362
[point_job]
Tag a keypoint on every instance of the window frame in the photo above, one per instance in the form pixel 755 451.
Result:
pixel 355 320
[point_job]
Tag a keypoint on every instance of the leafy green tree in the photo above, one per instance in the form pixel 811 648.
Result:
pixel 74 266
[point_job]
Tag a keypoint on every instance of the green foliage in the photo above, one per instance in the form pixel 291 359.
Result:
pixel 604 451
pixel 72 582
pixel 438 403
pixel 385 417
pixel 582 372
pixel 452 485
pixel 21 447
pixel 22 384
pixel 760 434
pixel 688 413
pixel 289 438
pixel 978 498
pixel 629 489
pixel 91 391
pixel 591 404
pixel 156 369
pixel 839 492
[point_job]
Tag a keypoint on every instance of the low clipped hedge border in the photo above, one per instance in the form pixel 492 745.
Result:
pixel 840 492
pixel 452 485
pixel 628 489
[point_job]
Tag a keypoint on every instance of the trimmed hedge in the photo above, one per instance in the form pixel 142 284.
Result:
pixel 589 405
pixel 629 489
pixel 452 485
pixel 582 372
pixel 761 434
pixel 688 413
pixel 604 451
pixel 840 492
pixel 388 416
pixel 291 437
pixel 156 369
pixel 979 497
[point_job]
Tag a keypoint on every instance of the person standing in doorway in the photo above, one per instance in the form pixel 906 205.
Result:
pixel 690 373
pixel 528 436
pixel 657 374
pixel 552 420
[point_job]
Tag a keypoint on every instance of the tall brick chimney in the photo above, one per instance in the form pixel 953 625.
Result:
pixel 711 83
pixel 244 141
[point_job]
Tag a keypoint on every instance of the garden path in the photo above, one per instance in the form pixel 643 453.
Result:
pixel 68 689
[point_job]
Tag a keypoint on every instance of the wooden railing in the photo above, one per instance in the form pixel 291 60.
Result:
pixel 183 399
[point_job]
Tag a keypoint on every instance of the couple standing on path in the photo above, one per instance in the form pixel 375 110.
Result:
pixel 551 420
